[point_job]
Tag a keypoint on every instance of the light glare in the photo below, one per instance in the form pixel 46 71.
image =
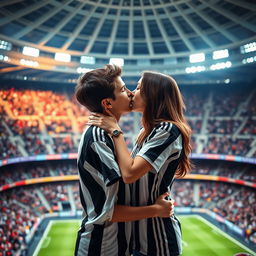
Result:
pixel 59 56
pixel 29 51
pixel 197 57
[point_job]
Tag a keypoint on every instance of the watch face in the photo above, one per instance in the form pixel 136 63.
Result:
pixel 116 133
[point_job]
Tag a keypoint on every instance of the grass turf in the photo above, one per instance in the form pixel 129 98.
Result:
pixel 199 239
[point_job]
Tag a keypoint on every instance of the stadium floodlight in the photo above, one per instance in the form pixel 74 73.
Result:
pixel 60 56
pixel 221 54
pixel 81 70
pixel 87 60
pixel 30 51
pixel 197 57
pixel 4 58
pixel 116 61
pixel 221 65
pixel 5 45
pixel 249 60
pixel 29 63
pixel 195 69
pixel 251 47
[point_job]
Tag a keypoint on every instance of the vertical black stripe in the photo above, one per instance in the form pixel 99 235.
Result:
pixel 96 191
pixel 96 240
pixel 168 176
pixel 171 237
pixel 94 160
pixel 160 232
pixel 136 223
pixel 151 178
pixel 121 237
pixel 157 238
pixel 155 152
pixel 150 238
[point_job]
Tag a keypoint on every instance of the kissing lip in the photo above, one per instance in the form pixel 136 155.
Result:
pixel 131 104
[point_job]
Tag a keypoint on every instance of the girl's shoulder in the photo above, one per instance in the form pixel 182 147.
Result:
pixel 167 128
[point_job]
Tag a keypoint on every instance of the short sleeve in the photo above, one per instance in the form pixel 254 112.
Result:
pixel 163 144
pixel 105 163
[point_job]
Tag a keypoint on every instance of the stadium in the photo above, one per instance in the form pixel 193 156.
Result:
pixel 209 47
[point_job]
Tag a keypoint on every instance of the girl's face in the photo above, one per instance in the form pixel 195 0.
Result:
pixel 138 103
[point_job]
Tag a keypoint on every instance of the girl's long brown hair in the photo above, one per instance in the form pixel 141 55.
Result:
pixel 164 102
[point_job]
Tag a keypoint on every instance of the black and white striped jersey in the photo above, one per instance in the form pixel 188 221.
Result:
pixel 101 187
pixel 162 149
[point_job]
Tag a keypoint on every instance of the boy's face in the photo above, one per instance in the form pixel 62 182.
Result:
pixel 123 102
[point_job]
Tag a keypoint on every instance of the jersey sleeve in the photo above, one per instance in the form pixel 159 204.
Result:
pixel 106 163
pixel 164 143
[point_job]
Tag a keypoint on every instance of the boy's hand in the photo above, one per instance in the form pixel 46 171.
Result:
pixel 165 208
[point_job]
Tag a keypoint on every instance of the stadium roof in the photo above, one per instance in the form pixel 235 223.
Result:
pixel 143 32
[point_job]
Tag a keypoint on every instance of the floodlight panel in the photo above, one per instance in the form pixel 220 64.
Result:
pixel 5 45
pixel 116 61
pixel 87 60
pixel 220 54
pixel 59 56
pixel 197 57
pixel 30 51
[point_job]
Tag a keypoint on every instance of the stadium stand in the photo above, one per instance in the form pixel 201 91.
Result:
pixel 220 125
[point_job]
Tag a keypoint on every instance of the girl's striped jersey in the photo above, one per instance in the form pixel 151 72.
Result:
pixel 162 149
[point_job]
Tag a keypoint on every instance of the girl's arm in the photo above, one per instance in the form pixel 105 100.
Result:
pixel 131 169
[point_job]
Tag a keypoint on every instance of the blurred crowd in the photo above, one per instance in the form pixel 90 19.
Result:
pixel 21 207
pixel 48 122
pixel 234 203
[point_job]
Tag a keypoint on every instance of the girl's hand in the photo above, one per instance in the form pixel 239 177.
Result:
pixel 108 123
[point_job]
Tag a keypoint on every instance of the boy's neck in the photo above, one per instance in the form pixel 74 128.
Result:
pixel 117 116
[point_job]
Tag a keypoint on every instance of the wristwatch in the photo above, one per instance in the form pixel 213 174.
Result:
pixel 116 133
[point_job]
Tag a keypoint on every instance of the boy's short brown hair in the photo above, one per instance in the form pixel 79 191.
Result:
pixel 96 85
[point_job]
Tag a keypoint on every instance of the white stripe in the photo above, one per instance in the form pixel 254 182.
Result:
pixel 155 234
pixel 110 193
pixel 88 199
pixel 177 230
pixel 103 136
pixel 106 156
pixel 158 222
pixel 143 192
pixel 94 133
pixel 98 133
pixel 81 144
pixel 165 237
pixel 162 242
pixel 39 246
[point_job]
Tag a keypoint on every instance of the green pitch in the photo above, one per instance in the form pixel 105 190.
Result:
pixel 200 238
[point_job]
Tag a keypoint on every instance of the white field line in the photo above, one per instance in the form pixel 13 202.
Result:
pixel 224 234
pixel 39 246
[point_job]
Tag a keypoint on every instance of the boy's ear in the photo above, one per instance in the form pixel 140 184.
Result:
pixel 106 104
